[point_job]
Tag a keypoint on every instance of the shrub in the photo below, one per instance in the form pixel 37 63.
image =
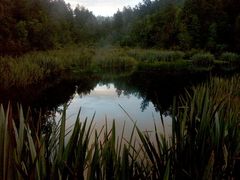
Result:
pixel 230 57
pixel 203 59
pixel 113 59
pixel 34 67
pixel 170 56
pixel 156 55
pixel 191 53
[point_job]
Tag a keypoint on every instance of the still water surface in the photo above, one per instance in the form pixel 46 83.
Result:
pixel 143 95
pixel 108 103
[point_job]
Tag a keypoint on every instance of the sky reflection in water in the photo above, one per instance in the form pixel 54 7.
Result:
pixel 104 100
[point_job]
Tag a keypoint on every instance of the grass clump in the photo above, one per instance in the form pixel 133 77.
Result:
pixel 191 53
pixel 74 57
pixel 203 59
pixel 230 57
pixel 205 135
pixel 164 66
pixel 20 72
pixel 35 67
pixel 113 59
pixel 155 55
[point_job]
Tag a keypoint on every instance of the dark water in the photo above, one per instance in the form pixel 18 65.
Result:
pixel 148 87
pixel 142 95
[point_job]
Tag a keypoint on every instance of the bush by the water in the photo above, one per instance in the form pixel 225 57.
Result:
pixel 155 55
pixel 113 59
pixel 203 59
pixel 35 67
pixel 230 57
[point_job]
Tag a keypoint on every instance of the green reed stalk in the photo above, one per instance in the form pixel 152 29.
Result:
pixel 204 143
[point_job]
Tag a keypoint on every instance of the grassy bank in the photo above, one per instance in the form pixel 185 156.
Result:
pixel 39 66
pixel 204 143
pixel 35 67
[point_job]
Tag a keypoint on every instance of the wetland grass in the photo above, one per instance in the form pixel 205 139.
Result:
pixel 113 59
pixel 151 55
pixel 203 59
pixel 204 143
pixel 230 57
pixel 36 67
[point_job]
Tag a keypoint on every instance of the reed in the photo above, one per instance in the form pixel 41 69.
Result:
pixel 151 55
pixel 178 66
pixel 203 143
pixel 211 117
pixel 231 60
pixel 113 59
pixel 230 57
pixel 203 59
pixel 35 67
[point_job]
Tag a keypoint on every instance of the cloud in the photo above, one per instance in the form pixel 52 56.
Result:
pixel 103 7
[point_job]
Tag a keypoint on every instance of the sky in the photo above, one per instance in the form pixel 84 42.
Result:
pixel 103 7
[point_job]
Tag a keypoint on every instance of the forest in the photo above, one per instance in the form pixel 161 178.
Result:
pixel 167 70
pixel 212 25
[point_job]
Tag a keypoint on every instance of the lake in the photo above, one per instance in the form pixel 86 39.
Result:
pixel 107 103
pixel 140 95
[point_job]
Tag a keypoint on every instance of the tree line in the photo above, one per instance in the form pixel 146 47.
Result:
pixel 213 25
pixel 43 24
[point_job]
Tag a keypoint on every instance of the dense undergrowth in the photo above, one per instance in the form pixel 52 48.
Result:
pixel 35 67
pixel 204 143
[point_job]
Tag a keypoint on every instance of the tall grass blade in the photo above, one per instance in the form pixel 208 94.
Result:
pixel 208 172
pixel 167 171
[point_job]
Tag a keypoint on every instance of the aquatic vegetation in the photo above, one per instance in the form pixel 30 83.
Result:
pixel 151 55
pixel 113 59
pixel 203 59
pixel 35 67
pixel 230 57
pixel 163 66
pixel 203 143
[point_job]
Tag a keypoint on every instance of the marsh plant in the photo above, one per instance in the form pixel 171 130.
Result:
pixel 203 59
pixel 152 55
pixel 230 57
pixel 34 67
pixel 113 59
pixel 203 143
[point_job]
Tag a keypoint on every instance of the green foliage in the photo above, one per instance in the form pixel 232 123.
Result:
pixel 178 66
pixel 113 59
pixel 85 26
pixel 32 68
pixel 156 55
pixel 41 25
pixel 203 142
pixel 229 61
pixel 208 112
pixel 181 24
pixel 230 57
pixel 192 52
pixel 35 67
pixel 203 59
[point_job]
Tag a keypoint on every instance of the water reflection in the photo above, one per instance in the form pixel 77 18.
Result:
pixel 105 100
pixel 141 94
